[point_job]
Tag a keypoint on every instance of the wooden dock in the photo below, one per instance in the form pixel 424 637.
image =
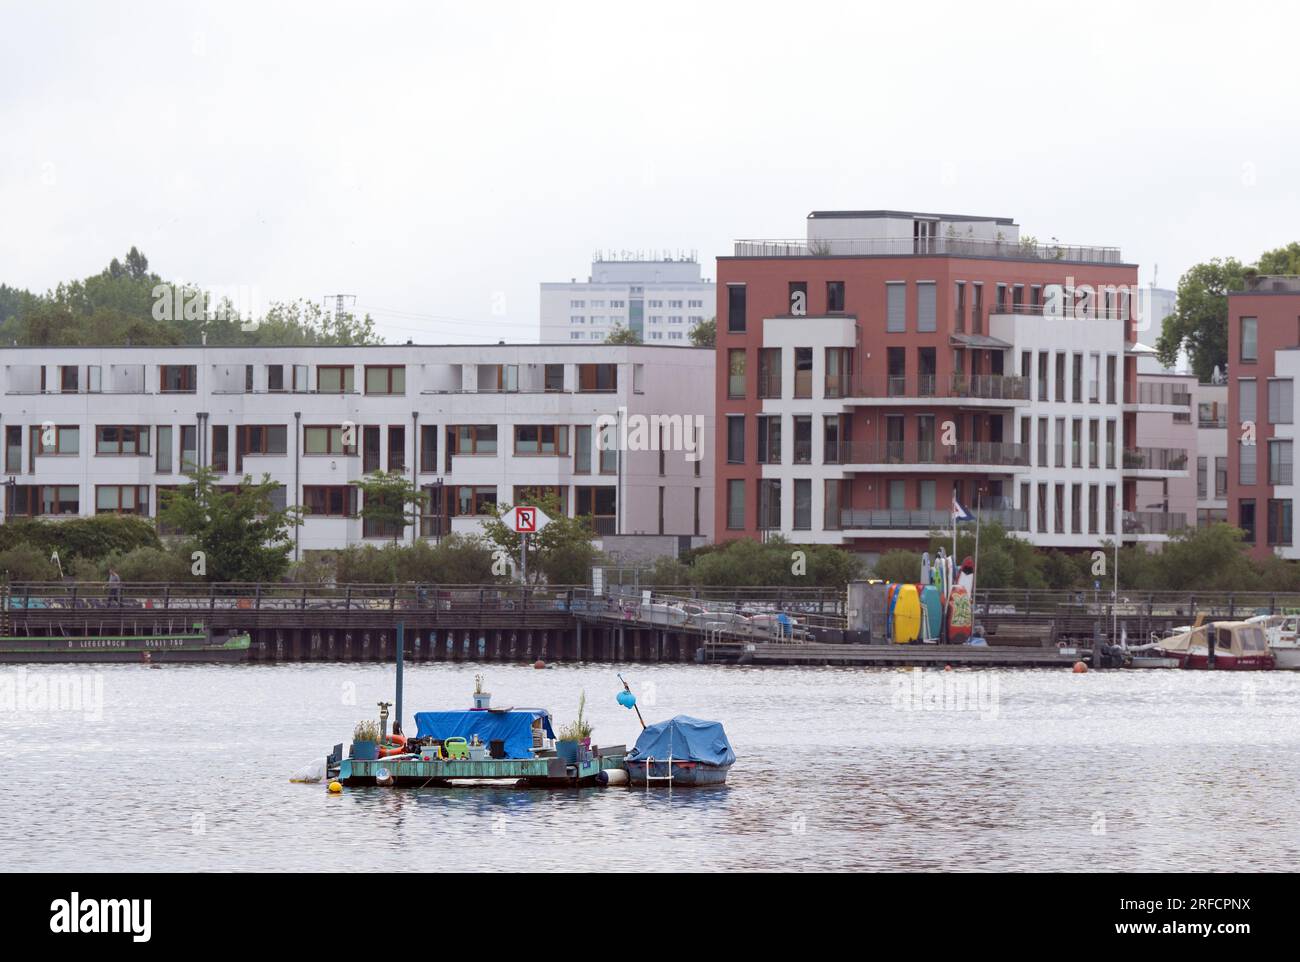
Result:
pixel 886 656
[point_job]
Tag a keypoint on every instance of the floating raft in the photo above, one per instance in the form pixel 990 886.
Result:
pixel 550 770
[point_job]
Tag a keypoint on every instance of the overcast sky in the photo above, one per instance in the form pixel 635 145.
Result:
pixel 440 160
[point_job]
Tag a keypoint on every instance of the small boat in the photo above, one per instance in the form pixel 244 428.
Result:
pixel 680 751
pixel 1219 646
pixel 659 613
pixel 1281 633
pixel 196 645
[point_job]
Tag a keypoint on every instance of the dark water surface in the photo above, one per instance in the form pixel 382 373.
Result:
pixel 187 768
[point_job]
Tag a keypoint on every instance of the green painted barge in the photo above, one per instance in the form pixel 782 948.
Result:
pixel 195 645
pixel 540 772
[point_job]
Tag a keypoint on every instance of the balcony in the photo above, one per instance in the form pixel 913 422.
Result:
pixel 959 457
pixel 1154 462
pixel 919 520
pixel 1153 523
pixel 928 247
pixel 1157 395
pixel 984 390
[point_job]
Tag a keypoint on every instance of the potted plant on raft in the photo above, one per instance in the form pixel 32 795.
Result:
pixel 482 699
pixel 575 737
pixel 365 741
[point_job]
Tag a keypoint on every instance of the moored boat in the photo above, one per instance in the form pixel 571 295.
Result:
pixel 680 751
pixel 1281 633
pixel 1219 646
pixel 196 645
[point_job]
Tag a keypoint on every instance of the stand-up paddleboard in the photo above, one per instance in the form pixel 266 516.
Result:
pixel 907 615
pixel 925 567
pixel 959 616
pixel 933 609
pixel 891 596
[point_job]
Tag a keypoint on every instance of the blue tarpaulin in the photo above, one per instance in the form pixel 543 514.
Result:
pixel 513 727
pixel 685 738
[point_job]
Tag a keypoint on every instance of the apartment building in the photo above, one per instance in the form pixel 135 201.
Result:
pixel 891 361
pixel 1211 403
pixel 94 430
pixel 1166 489
pixel 658 298
pixel 1263 364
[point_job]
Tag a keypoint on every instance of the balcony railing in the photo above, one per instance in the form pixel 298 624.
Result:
pixel 925 520
pixel 927 452
pixel 1155 459
pixel 1154 522
pixel 992 387
pixel 1158 392
pixel 928 247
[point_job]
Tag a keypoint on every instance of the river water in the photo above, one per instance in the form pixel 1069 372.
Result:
pixel 187 768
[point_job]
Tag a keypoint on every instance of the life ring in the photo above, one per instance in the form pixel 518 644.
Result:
pixel 395 744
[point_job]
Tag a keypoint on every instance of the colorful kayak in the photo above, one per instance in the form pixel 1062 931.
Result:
pixel 960 617
pixel 932 607
pixel 907 615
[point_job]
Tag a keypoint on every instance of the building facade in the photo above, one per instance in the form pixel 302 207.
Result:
pixel 658 299
pixel 94 430
pixel 1263 363
pixel 1211 401
pixel 1166 442
pixel 891 361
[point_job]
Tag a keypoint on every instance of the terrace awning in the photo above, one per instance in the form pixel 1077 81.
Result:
pixel 978 341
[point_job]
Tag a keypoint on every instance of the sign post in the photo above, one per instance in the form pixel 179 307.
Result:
pixel 525 520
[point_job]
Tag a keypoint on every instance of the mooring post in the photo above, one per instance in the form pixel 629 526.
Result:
pixel 401 645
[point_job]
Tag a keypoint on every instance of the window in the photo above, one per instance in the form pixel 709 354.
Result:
pixel 334 379
pixel 895 308
pixel 220 448
pixel 1111 367
pixel 189 448
pixel 1246 519
pixel 736 308
pixel 802 504
pixel 926 307
pixel 1110 509
pixel 769 439
pixel 959 305
pixel 735 439
pixel 300 377
pixel 369 448
pixel 736 386
pixel 553 378
pixel 546 439
pixel 1220 478
pixel 1249 340
pixel 769 503
pixel 122 499
pixel 34 500
pixel 397 447
pixel 474 500
pixel 802 439
pixel 1202 476
pixel 1279 462
pixel 390 379
pixel 1279 521
pixel 1043 359
pixel 248 379
pixel 121 439
pixel 1246 394
pixel 803 372
pixel 582 449
pixel 1060 376
pixel 839 365
pixel 330 500
pixel 428 448
pixel 607 445
pixel 177 378
pixel 1280 400
pixel 14 449
pixel 834 447
pixel 64 439
pixel 474 438
pixel 275 377
pixel 1076 392
pixel 798 298
pixel 322 439
pixel 69 383
pixel 769 372
pixel 598 378
pixel 600 504
pixel 1245 463
pixel 834 296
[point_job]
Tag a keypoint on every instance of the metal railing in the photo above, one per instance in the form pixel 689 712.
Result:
pixel 1155 459
pixel 995 387
pixel 1154 522
pixel 1158 392
pixel 1024 250
pixel 919 519
pixel 927 452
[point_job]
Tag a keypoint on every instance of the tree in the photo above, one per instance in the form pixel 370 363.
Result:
pixel 239 532
pixel 1282 260
pixel 562 552
pixel 705 333
pixel 618 334
pixel 1199 323
pixel 390 502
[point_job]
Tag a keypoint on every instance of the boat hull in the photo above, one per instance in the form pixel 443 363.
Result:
pixel 1200 661
pixel 684 773
pixel 1286 659
pixel 136 649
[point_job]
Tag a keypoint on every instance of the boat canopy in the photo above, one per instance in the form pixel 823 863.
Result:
pixel 685 738
pixel 1240 638
pixel 513 726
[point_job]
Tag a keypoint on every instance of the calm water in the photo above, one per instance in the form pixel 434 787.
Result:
pixel 188 768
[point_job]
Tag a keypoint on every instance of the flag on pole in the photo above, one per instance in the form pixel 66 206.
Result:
pixel 958 512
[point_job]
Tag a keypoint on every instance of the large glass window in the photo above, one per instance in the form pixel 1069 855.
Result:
pixel 895 308
pixel 389 379
pixel 1249 340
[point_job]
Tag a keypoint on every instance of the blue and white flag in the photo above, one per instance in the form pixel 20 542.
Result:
pixel 958 512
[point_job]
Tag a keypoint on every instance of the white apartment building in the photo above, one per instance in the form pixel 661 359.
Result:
pixel 659 299
pixel 1211 402
pixel 93 430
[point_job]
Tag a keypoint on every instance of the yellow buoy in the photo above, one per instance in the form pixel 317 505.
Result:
pixel 335 787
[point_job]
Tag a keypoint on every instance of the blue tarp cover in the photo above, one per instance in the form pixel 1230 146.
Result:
pixel 513 727
pixel 689 739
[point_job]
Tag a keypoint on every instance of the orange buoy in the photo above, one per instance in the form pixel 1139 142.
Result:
pixel 539 663
pixel 1080 668
pixel 947 667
